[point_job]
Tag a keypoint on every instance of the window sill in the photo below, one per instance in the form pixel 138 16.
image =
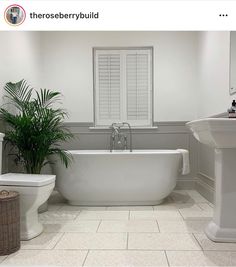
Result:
pixel 125 128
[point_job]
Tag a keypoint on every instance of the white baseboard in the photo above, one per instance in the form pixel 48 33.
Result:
pixel 205 187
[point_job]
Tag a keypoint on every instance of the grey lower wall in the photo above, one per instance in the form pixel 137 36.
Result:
pixel 205 183
pixel 205 174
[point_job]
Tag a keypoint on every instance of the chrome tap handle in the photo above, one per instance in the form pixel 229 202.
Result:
pixel 112 136
pixel 125 142
pixel 130 135
pixel 113 142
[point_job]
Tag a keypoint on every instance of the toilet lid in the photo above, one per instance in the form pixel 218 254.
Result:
pixel 22 179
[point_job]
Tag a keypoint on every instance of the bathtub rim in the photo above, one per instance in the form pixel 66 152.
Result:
pixel 124 152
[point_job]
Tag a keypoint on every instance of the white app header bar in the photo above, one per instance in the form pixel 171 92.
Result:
pixel 117 15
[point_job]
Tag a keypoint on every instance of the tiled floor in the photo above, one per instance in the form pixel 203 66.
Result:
pixel 171 234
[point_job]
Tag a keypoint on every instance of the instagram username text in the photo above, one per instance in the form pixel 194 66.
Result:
pixel 60 15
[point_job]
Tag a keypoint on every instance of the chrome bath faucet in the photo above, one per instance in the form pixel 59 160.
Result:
pixel 120 138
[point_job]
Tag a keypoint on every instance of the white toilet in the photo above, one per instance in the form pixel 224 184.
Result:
pixel 34 190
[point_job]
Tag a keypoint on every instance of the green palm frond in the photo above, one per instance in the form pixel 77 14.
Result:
pixel 45 98
pixel 18 93
pixel 36 126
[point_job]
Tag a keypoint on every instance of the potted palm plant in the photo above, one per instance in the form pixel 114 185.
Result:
pixel 34 126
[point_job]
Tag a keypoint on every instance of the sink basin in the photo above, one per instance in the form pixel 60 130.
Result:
pixel 220 133
pixel 214 132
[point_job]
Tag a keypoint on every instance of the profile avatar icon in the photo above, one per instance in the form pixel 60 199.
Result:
pixel 15 15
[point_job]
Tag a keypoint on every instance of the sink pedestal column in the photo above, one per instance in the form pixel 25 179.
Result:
pixel 223 226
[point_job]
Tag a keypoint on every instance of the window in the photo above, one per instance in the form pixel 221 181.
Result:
pixel 123 86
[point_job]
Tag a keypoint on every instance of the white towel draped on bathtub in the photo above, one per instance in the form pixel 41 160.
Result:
pixel 185 159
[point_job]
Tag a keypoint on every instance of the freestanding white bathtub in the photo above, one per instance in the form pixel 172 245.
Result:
pixel 100 177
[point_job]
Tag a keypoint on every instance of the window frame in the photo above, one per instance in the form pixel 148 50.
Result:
pixel 151 101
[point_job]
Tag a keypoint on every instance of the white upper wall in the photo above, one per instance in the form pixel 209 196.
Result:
pixel 213 69
pixel 191 69
pixel 19 58
pixel 233 59
pixel 68 67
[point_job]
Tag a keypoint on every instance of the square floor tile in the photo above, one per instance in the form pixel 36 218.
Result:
pixel 58 215
pixel 103 215
pixel 43 241
pixel 193 192
pixel 198 258
pixel 211 204
pixel 167 206
pixel 68 208
pixel 189 208
pixel 93 208
pixel 2 258
pixel 181 197
pixel 128 226
pixel 126 258
pixel 155 215
pixel 162 241
pixel 178 206
pixel 180 191
pixel 93 241
pixel 196 215
pixel 71 226
pixel 232 258
pixel 130 208
pixel 54 207
pixel 187 226
pixel 205 206
pixel 46 258
pixel 187 205
pixel 207 244
pixel 197 197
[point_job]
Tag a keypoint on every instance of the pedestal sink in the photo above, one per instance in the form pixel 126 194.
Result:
pixel 220 133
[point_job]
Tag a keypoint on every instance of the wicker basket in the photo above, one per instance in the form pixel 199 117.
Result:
pixel 9 222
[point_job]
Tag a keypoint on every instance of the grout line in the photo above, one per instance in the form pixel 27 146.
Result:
pixel 197 241
pixel 77 215
pixel 122 249
pixel 210 207
pixel 85 257
pixel 158 226
pixel 181 215
pixel 177 219
pixel 127 240
pixel 167 258
pixel 98 225
pixel 199 206
pixel 153 232
pixel 59 239
pixel 4 259
pixel 129 215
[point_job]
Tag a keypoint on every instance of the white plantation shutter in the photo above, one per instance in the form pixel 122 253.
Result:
pixel 123 86
pixel 138 87
pixel 108 85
